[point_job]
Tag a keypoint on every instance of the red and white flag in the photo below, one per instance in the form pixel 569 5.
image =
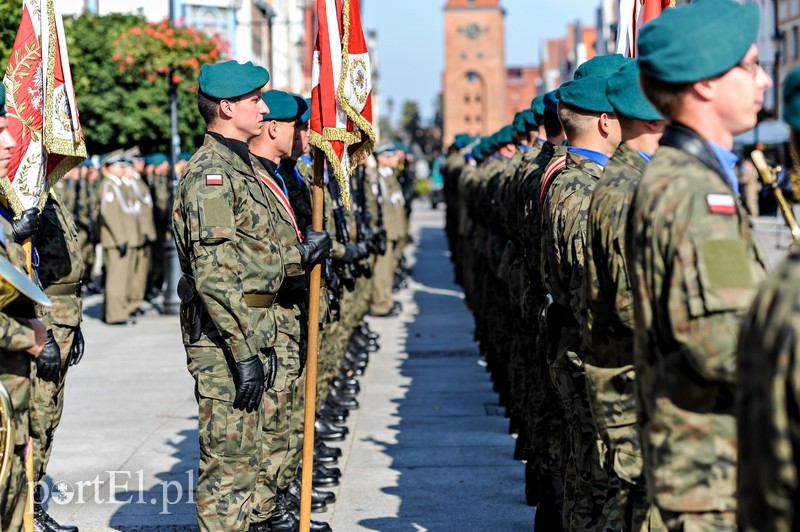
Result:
pixel 633 14
pixel 41 109
pixel 341 94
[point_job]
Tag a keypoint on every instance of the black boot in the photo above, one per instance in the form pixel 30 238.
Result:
pixel 317 496
pixel 332 414
pixel 326 455
pixel 549 510
pixel 326 432
pixel 42 522
pixel 337 400
pixel 286 518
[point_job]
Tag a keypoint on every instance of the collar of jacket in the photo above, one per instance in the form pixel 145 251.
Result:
pixel 590 168
pixel 627 155
pixel 678 136
pixel 269 166
pixel 241 161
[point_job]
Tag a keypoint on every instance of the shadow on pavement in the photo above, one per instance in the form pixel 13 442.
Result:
pixel 453 455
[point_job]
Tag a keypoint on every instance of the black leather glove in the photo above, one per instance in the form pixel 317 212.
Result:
pixel 363 250
pixel 48 363
pixel 77 347
pixel 26 226
pixel 272 367
pixel 250 388
pixel 316 247
pixel 351 253
pixel 123 249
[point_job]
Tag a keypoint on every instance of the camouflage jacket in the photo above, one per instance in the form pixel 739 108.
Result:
pixel 60 262
pixel 16 333
pixel 224 225
pixel 768 391
pixel 515 195
pixel 607 328
pixel 531 219
pixel 564 215
pixel 694 266
pixel 291 306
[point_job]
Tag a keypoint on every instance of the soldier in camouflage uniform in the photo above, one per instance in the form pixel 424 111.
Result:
pixel 233 267
pixel 694 264
pixel 590 484
pixel 23 336
pixel 608 327
pixel 768 383
pixel 283 412
pixel 60 271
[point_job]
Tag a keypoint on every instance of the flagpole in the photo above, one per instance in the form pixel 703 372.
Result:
pixel 311 355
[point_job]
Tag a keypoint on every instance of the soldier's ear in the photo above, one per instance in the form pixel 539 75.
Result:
pixel 226 109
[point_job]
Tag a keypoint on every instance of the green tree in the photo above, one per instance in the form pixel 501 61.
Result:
pixel 10 15
pixel 410 120
pixel 119 107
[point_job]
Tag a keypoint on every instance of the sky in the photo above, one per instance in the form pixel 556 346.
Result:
pixel 411 41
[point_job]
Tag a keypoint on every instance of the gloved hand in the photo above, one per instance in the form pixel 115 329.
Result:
pixel 272 367
pixel 250 388
pixel 26 226
pixel 351 253
pixel 363 250
pixel 77 347
pixel 48 363
pixel 123 249
pixel 316 247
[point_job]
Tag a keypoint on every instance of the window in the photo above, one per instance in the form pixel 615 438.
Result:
pixel 478 98
pixel 466 119
pixel 472 77
pixel 466 98
pixel 478 119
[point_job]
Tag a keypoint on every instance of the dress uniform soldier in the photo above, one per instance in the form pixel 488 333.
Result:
pixel 117 221
pixel 383 303
pixel 142 253
pixel 768 385
pixel 282 445
pixel 590 489
pixel 234 264
pixel 608 327
pixel 694 262
pixel 60 271
pixel 159 180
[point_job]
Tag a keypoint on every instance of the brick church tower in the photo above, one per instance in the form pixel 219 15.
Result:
pixel 474 78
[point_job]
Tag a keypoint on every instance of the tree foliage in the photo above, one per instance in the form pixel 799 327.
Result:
pixel 10 15
pixel 119 106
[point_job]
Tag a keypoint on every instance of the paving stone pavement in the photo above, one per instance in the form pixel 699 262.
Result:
pixel 427 450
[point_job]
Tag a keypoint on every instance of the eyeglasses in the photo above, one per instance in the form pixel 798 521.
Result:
pixel 754 68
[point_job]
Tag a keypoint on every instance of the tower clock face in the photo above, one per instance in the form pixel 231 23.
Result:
pixel 473 31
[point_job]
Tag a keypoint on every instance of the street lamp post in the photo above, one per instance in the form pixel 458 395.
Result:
pixel 172 303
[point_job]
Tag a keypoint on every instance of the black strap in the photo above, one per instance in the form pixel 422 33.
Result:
pixel 678 136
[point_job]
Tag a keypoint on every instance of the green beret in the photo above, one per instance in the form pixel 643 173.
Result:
pixel 551 101
pixel 490 143
pixel 529 117
pixel 461 140
pixel 306 116
pixel 282 105
pixel 156 158
pixel 791 99
pixel 519 124
pixel 231 79
pixel 697 41
pixel 302 108
pixel 185 156
pixel 626 96
pixel 2 99
pixel 601 65
pixel 537 105
pixel 588 94
pixel 507 135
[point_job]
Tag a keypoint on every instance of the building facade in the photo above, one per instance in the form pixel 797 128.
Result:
pixel 474 82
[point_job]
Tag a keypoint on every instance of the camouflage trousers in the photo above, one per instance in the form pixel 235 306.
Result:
pixel 279 440
pixel 699 522
pixel 591 487
pixel 326 365
pixel 47 404
pixel 638 514
pixel 231 442
pixel 16 369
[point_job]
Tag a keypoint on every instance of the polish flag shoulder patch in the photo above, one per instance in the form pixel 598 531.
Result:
pixel 721 203
pixel 214 179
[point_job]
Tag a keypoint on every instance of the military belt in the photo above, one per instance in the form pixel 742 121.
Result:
pixel 63 289
pixel 259 300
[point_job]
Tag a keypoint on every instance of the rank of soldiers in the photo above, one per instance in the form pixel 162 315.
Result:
pixel 241 223
pixel 609 261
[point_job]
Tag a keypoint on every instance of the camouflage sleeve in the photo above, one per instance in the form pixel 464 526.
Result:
pixel 710 282
pixel 292 262
pixel 574 222
pixel 16 334
pixel 217 264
